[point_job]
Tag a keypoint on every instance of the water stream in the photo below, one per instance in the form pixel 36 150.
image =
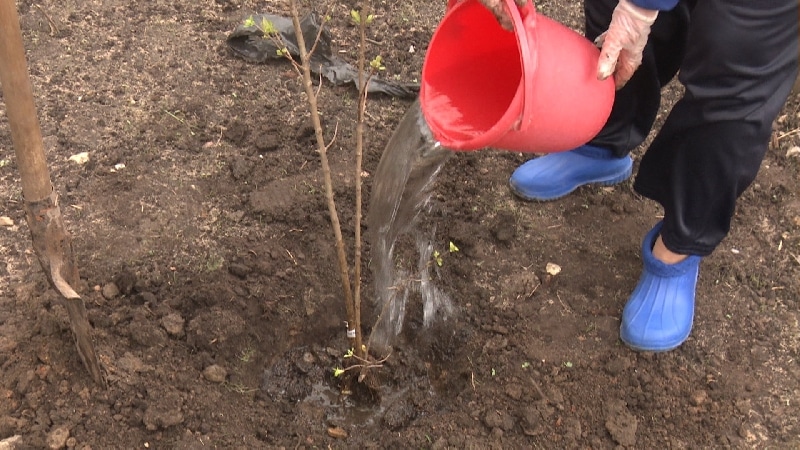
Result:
pixel 400 199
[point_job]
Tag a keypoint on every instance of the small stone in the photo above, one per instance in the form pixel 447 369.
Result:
pixel 80 158
pixel 6 221
pixel 336 432
pixel 11 443
pixel 794 151
pixel 698 398
pixel 110 291
pixel 72 442
pixel 215 373
pixel 57 438
pixel 552 269
pixel 174 324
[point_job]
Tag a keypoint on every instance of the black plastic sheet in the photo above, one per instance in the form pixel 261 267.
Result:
pixel 248 42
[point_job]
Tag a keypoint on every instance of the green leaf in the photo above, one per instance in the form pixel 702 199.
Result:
pixel 377 63
pixel 355 16
pixel 338 372
pixel 249 22
pixel 267 27
pixel 453 247
pixel 438 258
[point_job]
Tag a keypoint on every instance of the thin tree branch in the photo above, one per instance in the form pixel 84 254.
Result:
pixel 344 271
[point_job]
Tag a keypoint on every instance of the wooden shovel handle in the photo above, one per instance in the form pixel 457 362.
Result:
pixel 22 118
pixel 50 239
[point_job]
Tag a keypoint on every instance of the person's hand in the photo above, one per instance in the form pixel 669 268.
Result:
pixel 500 10
pixel 624 41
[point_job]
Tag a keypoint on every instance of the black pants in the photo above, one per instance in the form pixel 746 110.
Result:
pixel 738 61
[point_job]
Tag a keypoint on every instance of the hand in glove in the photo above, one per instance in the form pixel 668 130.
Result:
pixel 623 43
pixel 500 10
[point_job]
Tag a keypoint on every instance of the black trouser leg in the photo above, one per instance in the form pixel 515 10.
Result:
pixel 740 64
pixel 636 104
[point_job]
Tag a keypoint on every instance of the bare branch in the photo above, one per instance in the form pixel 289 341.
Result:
pixel 352 333
pixel 333 139
pixel 319 32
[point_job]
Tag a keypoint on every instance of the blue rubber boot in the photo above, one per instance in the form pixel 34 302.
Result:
pixel 555 175
pixel 659 314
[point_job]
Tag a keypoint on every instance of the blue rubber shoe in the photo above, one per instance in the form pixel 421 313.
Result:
pixel 658 316
pixel 555 175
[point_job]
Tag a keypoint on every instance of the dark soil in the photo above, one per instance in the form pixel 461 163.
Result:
pixel 202 235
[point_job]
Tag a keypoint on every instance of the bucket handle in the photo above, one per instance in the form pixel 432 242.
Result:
pixel 526 17
pixel 526 10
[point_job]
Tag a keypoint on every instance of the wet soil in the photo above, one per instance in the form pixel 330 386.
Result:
pixel 203 240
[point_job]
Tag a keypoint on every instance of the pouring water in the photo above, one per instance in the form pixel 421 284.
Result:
pixel 400 199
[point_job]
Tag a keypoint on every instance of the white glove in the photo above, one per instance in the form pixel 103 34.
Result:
pixel 623 43
pixel 500 10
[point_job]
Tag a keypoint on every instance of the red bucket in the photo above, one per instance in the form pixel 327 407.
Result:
pixel 531 90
